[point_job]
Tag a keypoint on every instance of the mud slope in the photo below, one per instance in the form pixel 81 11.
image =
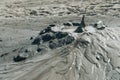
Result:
pixel 93 56
pixel 44 40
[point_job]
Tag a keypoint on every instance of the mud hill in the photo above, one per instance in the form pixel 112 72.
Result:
pixel 59 52
pixel 50 40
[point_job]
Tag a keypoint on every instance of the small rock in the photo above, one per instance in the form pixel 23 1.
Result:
pixel 26 50
pixel 39 49
pixel 65 41
pixel 69 39
pixel 99 25
pixel 60 35
pixel 46 30
pixel 52 25
pixel 31 38
pixel 48 37
pixel 19 58
pixel 67 24
pixel 36 41
pixel 53 44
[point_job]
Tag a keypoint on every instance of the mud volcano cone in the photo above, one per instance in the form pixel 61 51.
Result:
pixel 92 56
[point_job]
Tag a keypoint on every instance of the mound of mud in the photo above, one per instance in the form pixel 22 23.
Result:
pixel 92 54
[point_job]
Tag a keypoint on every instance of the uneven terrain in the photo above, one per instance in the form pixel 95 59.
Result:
pixel 92 55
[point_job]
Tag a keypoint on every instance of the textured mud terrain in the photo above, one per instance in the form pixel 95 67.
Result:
pixel 39 40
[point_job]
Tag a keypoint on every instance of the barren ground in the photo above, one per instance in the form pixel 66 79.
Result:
pixel 22 19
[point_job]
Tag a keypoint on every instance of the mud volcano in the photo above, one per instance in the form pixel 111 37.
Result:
pixel 93 53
